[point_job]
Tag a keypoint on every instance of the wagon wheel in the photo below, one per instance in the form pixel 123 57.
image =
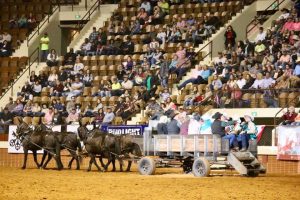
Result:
pixel 12 142
pixel 201 167
pixel 146 166
pixel 17 144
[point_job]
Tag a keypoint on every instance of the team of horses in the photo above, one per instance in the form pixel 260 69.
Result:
pixel 96 144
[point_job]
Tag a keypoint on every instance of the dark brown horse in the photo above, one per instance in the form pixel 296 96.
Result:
pixel 68 141
pixel 37 140
pixel 112 147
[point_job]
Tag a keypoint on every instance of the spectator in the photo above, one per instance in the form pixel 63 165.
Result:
pixel 128 109
pixel 116 87
pixel 109 116
pixel 48 118
pixel 230 36
pixel 57 89
pixel 164 6
pixel 44 41
pixel 23 22
pixel 249 131
pixel 165 95
pixel 6 37
pixel 31 21
pixel 27 110
pixel 18 109
pixel 163 72
pixel 71 105
pixel 297 68
pixel 195 124
pixel 52 59
pixel 5 120
pixel 127 46
pixel 57 117
pixel 172 125
pixel 36 110
pixel 70 57
pixel 216 84
pixel 76 88
pixel 36 89
pixel 5 49
pixel 199 76
pixel 85 47
pixel 153 109
pixel 13 22
pixel 52 78
pixel 73 117
pixel 94 35
pixel 146 6
pixel 26 91
pixel 289 116
pixel 88 78
pixel 10 105
pixel 99 116
pixel 261 35
pixel 126 83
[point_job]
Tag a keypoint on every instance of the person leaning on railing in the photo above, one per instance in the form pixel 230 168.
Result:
pixel 289 116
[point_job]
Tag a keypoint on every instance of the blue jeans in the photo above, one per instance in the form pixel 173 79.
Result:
pixel 244 138
pixel 232 140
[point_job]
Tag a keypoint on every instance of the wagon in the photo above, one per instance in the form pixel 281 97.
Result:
pixel 198 154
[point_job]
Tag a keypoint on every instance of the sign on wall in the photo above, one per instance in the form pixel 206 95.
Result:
pixel 15 145
pixel 130 130
pixel 288 143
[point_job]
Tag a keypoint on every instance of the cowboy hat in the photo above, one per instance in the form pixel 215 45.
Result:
pixel 217 115
pixel 249 116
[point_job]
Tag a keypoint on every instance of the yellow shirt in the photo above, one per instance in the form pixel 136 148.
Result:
pixel 164 6
pixel 44 43
pixel 116 86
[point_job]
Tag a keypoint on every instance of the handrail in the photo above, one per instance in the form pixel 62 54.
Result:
pixel 210 43
pixel 249 91
pixel 31 61
pixel 276 2
pixel 86 17
pixel 40 25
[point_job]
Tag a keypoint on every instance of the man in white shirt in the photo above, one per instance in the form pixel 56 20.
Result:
pixel 126 84
pixel 261 35
pixel 267 81
pixel 76 88
pixel 241 81
pixel 108 117
pixel 161 36
pixel 220 59
pixel 37 88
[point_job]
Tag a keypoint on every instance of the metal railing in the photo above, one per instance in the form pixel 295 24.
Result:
pixel 274 6
pixel 34 57
pixel 209 53
pixel 215 99
pixel 86 18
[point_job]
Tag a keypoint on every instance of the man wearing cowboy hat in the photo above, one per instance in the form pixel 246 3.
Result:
pixel 218 127
pixel 249 131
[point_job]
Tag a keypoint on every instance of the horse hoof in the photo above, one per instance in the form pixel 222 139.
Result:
pixel 88 170
pixel 23 167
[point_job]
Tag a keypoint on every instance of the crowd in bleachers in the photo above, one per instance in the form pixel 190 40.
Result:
pixel 110 77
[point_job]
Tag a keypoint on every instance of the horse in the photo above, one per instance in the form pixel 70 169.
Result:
pixel 37 140
pixel 67 140
pixel 99 143
pixel 114 147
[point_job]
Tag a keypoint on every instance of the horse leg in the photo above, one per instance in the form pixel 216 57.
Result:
pixel 121 164
pixel 43 158
pixel 129 166
pixel 113 160
pixel 90 163
pixel 102 163
pixel 47 161
pixel 25 158
pixel 94 161
pixel 35 159
pixel 70 162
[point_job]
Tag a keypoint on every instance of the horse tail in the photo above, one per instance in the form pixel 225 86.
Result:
pixel 79 151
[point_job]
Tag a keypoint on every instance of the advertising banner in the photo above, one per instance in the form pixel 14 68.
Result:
pixel 288 143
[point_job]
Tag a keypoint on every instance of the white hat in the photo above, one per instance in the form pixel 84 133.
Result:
pixel 250 116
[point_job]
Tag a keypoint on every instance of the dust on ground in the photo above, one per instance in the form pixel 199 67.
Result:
pixel 168 183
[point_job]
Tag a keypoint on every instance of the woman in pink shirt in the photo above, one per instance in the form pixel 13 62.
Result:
pixel 181 24
pixel 48 118
pixel 142 16
pixel 181 52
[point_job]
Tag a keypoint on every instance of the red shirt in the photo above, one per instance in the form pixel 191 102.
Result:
pixel 289 116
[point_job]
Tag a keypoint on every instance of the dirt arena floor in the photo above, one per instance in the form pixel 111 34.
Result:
pixel 36 184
